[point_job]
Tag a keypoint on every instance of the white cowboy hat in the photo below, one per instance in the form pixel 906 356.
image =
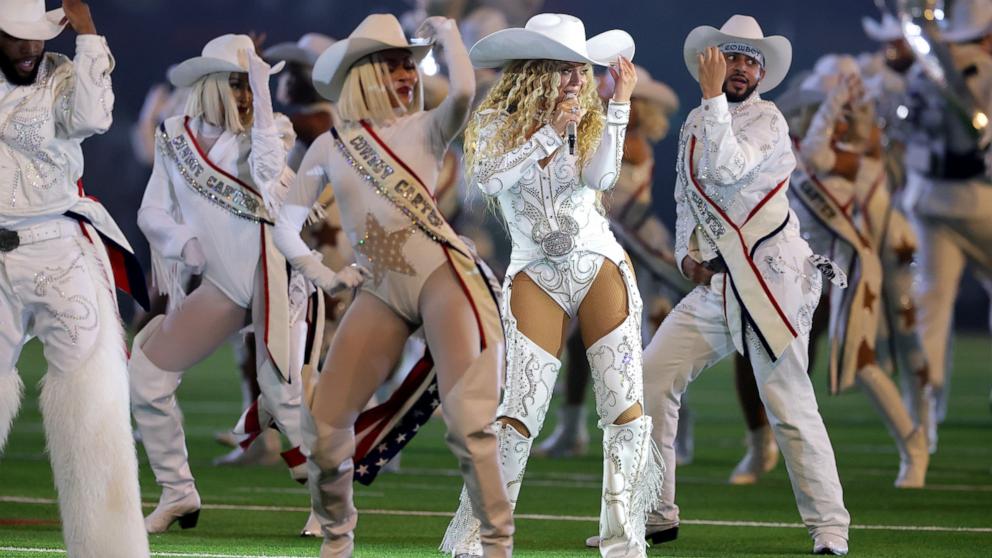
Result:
pixel 655 91
pixel 968 20
pixel 777 50
pixel 27 19
pixel 376 33
pixel 304 51
pixel 883 31
pixel 552 37
pixel 223 54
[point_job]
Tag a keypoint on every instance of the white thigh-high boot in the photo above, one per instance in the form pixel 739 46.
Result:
pixel 331 470
pixel 530 379
pixel 492 456
pixel 160 422
pixel 633 470
pixel 91 446
pixel 11 393
pixel 914 455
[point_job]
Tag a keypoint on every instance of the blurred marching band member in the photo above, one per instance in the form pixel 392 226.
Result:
pixel 841 197
pixel 948 196
pixel 758 281
pixel 383 159
pixel 219 178
pixel 56 249
pixel 565 261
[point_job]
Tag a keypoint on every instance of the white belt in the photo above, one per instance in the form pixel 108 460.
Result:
pixel 48 230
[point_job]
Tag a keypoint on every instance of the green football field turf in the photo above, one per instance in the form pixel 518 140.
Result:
pixel 256 511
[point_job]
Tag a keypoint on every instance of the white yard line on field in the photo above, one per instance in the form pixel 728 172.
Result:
pixel 545 517
pixel 34 550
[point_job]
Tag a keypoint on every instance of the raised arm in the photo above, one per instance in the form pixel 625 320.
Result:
pixel 272 137
pixel 85 98
pixel 450 116
pixel 817 147
pixel 603 168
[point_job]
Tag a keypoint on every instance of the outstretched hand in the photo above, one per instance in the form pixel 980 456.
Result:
pixel 78 16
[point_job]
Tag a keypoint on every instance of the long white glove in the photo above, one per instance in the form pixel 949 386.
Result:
pixel 258 79
pixel 311 267
pixel 193 256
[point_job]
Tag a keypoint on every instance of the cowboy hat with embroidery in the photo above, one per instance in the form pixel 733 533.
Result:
pixel 304 51
pixel 27 19
pixel 378 32
pixel 967 21
pixel 551 37
pixel 883 31
pixel 223 54
pixel 742 34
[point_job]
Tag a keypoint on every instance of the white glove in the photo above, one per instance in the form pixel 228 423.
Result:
pixel 193 256
pixel 258 79
pixel 350 277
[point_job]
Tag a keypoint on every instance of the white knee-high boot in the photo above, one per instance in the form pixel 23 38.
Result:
pixel 633 469
pixel 91 446
pixel 914 455
pixel 11 393
pixel 530 380
pixel 160 422
pixel 331 472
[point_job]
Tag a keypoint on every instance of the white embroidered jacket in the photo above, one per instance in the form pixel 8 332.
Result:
pixel 42 127
pixel 743 158
pixel 552 211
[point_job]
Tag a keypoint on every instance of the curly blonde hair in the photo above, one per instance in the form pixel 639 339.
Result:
pixel 525 95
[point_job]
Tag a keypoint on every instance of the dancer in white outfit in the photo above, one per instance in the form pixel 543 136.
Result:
pixel 220 172
pixel 56 280
pixel 565 261
pixel 759 283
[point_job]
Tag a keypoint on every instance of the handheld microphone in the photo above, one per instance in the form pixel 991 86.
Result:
pixel 570 130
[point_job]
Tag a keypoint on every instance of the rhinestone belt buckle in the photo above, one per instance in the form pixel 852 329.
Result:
pixel 557 244
pixel 9 240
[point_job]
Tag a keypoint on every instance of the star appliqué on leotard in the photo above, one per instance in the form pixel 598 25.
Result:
pixel 384 250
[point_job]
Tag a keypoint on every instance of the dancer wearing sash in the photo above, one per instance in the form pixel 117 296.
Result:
pixel 841 196
pixel 59 256
pixel 383 160
pixel 565 261
pixel 219 176
pixel 758 281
